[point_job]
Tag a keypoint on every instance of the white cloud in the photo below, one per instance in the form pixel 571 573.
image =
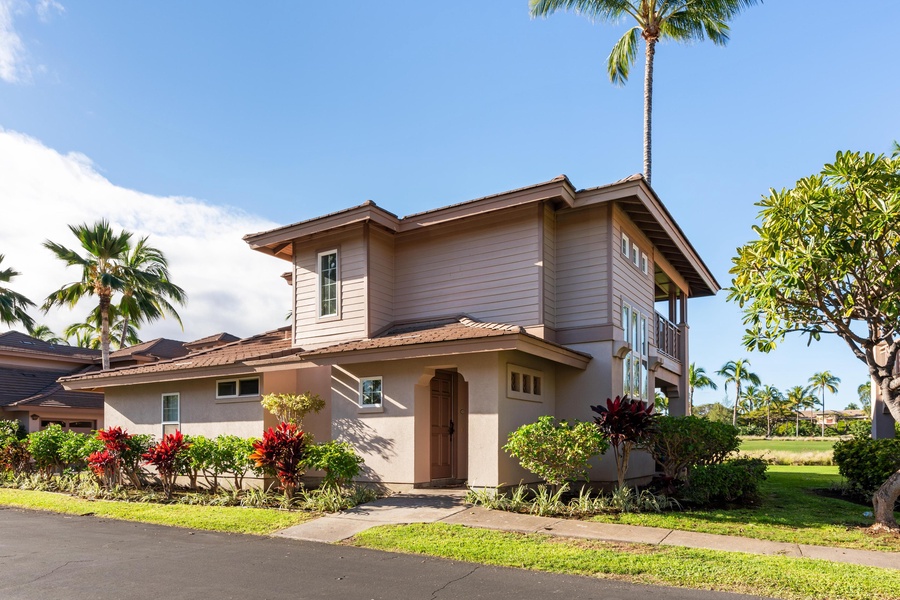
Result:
pixel 12 51
pixel 47 8
pixel 230 287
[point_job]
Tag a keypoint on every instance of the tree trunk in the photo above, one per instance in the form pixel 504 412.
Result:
pixel 104 331
pixel 798 422
pixel 883 503
pixel 124 331
pixel 648 105
pixel 823 413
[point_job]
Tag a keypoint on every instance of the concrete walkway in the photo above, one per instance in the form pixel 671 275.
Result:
pixel 423 506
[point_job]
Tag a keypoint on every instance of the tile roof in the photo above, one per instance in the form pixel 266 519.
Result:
pixel 20 342
pixel 158 348
pixel 21 386
pixel 269 344
pixel 223 337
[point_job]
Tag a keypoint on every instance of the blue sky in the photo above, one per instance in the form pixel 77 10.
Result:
pixel 276 112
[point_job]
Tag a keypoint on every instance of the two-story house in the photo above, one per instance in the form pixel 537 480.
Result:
pixel 435 335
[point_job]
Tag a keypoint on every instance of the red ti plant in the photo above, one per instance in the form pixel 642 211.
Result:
pixel 105 465
pixel 625 422
pixel 164 456
pixel 281 452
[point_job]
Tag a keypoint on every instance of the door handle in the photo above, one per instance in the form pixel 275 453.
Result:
pixel 450 429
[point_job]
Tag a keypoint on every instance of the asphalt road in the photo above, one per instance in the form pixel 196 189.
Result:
pixel 46 556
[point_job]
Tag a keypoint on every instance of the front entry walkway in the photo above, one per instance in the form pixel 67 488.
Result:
pixel 448 506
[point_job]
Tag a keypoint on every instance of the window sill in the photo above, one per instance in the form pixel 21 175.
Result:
pixel 363 410
pixel 237 399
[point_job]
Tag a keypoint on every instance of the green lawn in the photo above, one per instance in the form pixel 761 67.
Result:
pixel 790 511
pixel 805 445
pixel 772 576
pixel 213 518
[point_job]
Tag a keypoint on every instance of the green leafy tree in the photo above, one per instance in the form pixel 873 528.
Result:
pixel 827 261
pixel 716 411
pixel 737 372
pixel 698 379
pixel 107 269
pixel 45 334
pixel 13 305
pixel 655 20
pixel 799 399
pixel 824 381
pixel 292 408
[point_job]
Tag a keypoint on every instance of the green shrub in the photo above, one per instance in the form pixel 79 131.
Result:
pixel 866 463
pixel 735 481
pixel 45 447
pixel 681 443
pixel 234 457
pixel 10 431
pixel 556 452
pixel 131 457
pixel 76 448
pixel 751 430
pixel 337 459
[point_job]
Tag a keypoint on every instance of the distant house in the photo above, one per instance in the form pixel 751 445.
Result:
pixel 435 335
pixel 832 417
pixel 30 369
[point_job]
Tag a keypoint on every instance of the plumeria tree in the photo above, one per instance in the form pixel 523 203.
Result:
pixel 826 261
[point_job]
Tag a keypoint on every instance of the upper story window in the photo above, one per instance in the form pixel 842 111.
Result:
pixel 635 372
pixel 232 388
pixel 327 284
pixel 633 252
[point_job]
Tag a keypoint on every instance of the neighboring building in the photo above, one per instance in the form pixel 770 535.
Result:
pixel 832 417
pixel 433 336
pixel 30 368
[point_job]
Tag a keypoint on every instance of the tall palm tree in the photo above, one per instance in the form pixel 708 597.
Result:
pixel 737 372
pixel 799 399
pixel 677 20
pixel 824 381
pixel 865 396
pixel 148 288
pixel 13 305
pixel 769 395
pixel 88 333
pixel 697 378
pixel 45 334
pixel 107 270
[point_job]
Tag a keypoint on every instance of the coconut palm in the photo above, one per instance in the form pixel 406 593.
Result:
pixel 865 396
pixel 677 20
pixel 737 372
pixel 697 378
pixel 107 269
pixel 45 334
pixel 13 305
pixel 799 399
pixel 824 381
pixel 147 290
pixel 769 395
pixel 89 333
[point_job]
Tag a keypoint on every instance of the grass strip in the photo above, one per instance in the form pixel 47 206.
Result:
pixel 773 576
pixel 790 511
pixel 230 519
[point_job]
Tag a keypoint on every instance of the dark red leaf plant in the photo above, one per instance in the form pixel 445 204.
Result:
pixel 164 456
pixel 107 464
pixel 281 452
pixel 625 423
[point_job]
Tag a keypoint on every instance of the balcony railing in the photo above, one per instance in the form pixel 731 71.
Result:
pixel 668 337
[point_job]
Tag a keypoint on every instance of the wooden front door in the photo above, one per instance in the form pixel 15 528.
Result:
pixel 442 426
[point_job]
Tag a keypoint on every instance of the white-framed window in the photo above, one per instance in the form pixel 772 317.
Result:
pixel 635 254
pixel 328 284
pixel 635 371
pixel 234 388
pixel 626 245
pixel 370 392
pixel 645 264
pixel 171 413
pixel 523 383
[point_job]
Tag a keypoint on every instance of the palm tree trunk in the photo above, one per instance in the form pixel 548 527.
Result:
pixel 798 422
pixel 648 105
pixel 104 331
pixel 737 399
pixel 768 422
pixel 823 413
pixel 124 331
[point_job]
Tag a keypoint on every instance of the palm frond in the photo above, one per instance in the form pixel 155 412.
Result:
pixel 621 57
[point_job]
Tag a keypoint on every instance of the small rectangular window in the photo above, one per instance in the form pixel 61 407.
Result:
pixel 536 386
pixel 233 388
pixel 635 254
pixel 645 267
pixel 171 413
pixel 328 283
pixel 370 392
pixel 514 382
pixel 626 245
pixel 524 383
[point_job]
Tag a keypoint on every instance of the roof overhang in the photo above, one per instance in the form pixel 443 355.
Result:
pixel 121 379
